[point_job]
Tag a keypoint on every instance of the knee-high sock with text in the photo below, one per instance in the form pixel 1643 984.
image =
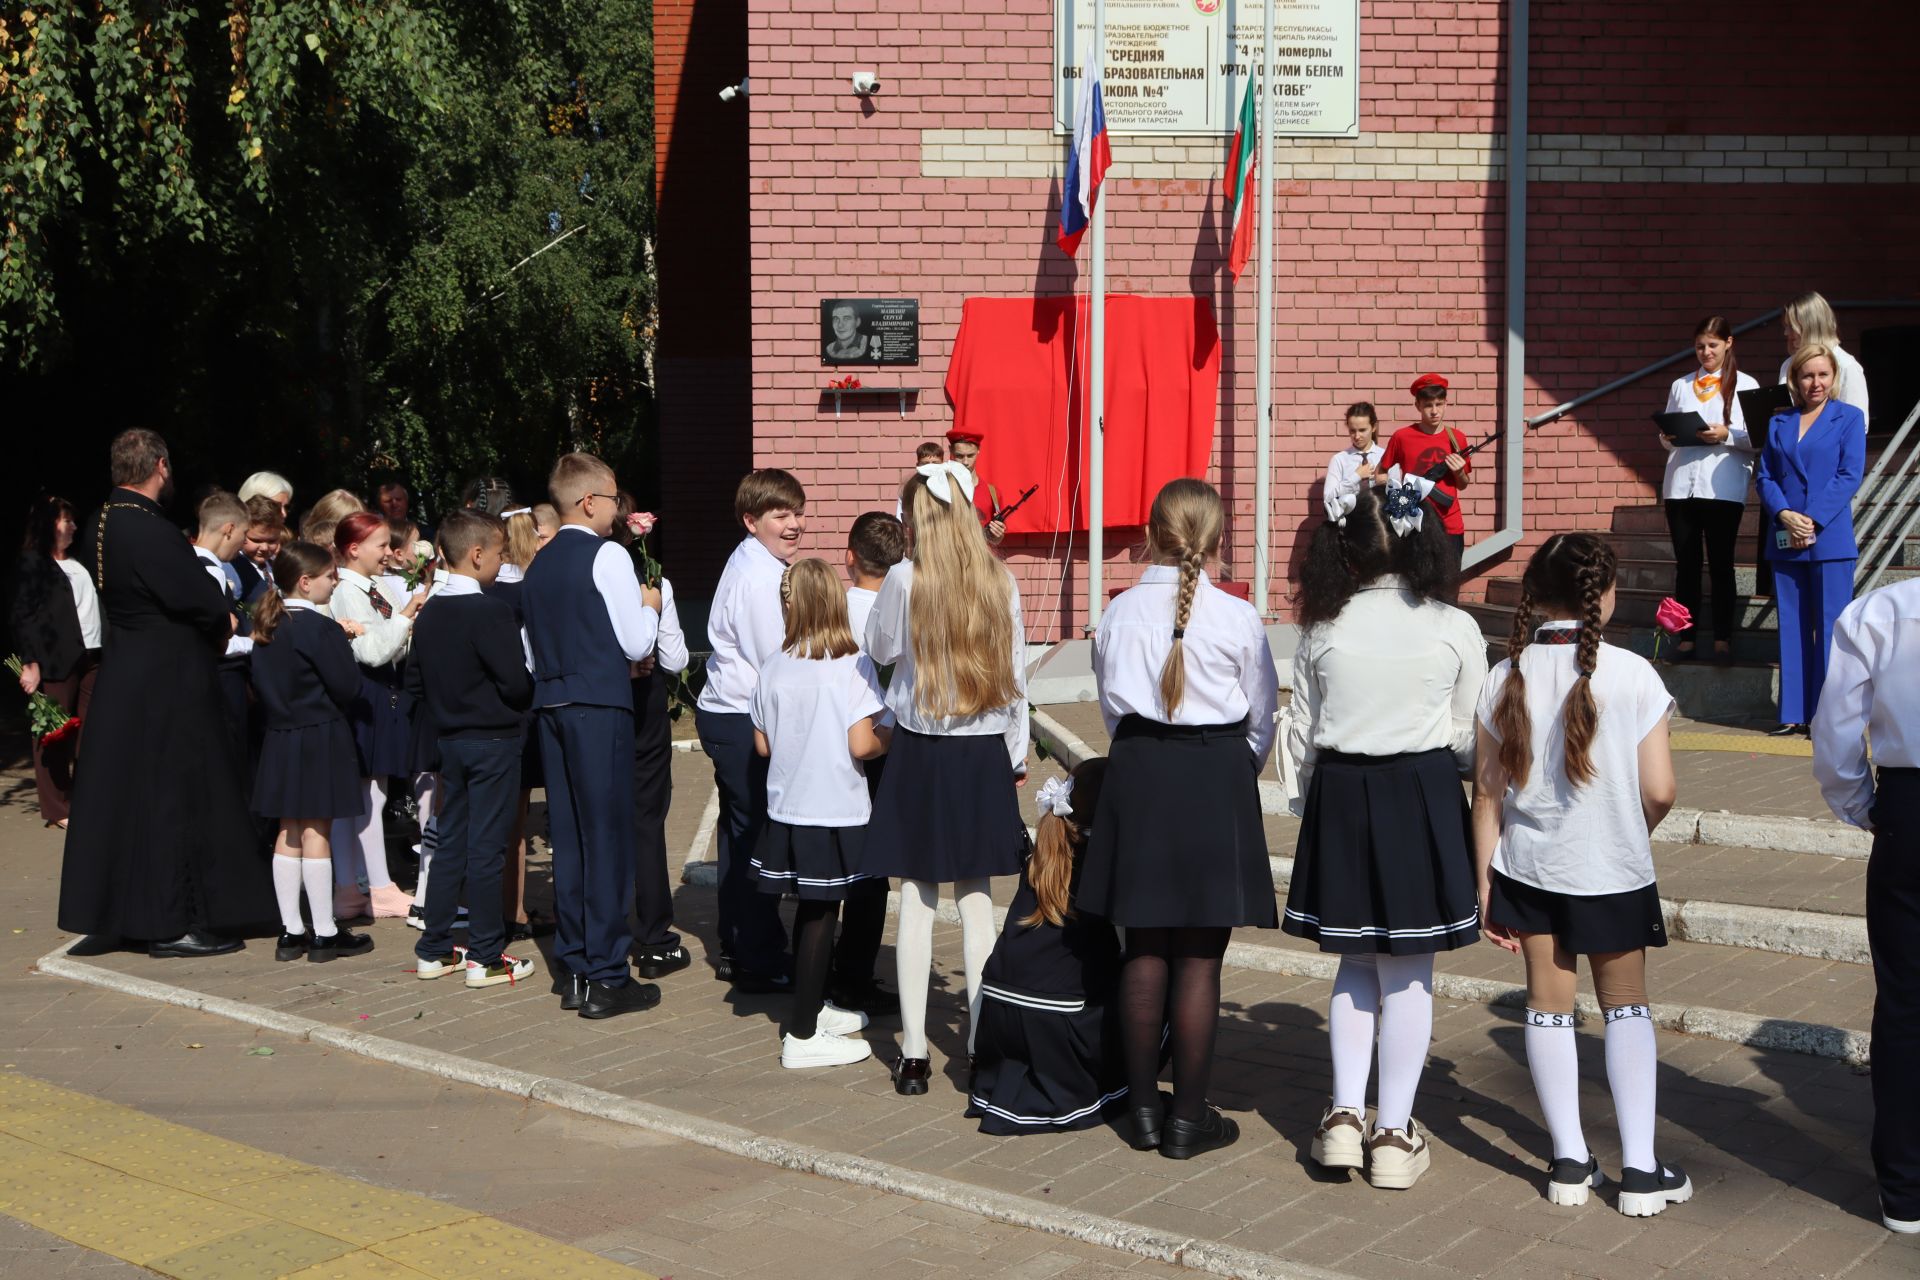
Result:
pixel 1406 1030
pixel 1633 1063
pixel 913 954
pixel 1553 1057
pixel 1352 1016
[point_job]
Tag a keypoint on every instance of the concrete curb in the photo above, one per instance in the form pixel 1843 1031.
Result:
pixel 1210 1256
pixel 1682 826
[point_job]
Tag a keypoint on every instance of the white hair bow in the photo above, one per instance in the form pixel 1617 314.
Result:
pixel 1339 505
pixel 517 511
pixel 945 478
pixel 1404 500
pixel 1056 797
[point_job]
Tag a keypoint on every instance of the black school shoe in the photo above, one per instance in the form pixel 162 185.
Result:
pixel 910 1076
pixel 1145 1123
pixel 571 988
pixel 1185 1139
pixel 1569 1182
pixel 658 964
pixel 194 944
pixel 607 1001
pixel 1643 1193
pixel 291 946
pixel 866 995
pixel 344 943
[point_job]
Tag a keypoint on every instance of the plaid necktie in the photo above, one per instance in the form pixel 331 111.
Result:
pixel 378 601
pixel 1557 635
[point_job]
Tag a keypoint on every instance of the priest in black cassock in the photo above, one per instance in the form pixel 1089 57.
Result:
pixel 160 847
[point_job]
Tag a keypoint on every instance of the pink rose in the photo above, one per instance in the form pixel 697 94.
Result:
pixel 642 522
pixel 1672 617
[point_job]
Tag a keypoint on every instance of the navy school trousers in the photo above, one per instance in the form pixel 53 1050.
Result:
pixel 479 794
pixel 586 753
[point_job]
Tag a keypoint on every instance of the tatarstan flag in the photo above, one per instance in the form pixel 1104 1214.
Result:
pixel 1240 187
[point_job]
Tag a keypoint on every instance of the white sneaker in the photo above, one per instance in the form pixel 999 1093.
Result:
pixel 1397 1157
pixel 508 972
pixel 1904 1226
pixel 441 967
pixel 841 1022
pixel 823 1049
pixel 1341 1142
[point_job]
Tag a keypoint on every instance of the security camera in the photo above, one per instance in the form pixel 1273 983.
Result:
pixel 865 84
pixel 733 91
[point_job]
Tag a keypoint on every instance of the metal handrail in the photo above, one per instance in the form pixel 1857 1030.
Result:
pixel 1878 502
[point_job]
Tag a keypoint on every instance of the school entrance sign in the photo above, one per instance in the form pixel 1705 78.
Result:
pixel 1180 66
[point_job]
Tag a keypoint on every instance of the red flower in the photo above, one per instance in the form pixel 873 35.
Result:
pixel 67 730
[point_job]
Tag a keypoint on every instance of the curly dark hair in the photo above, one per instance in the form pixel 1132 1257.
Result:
pixel 1342 559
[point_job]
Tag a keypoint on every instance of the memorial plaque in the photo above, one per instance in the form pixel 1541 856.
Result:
pixel 878 331
pixel 1182 66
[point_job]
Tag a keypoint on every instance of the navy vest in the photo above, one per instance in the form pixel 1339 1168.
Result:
pixel 576 656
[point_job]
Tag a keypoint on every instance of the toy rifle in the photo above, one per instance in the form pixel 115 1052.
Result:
pixel 1002 513
pixel 1440 471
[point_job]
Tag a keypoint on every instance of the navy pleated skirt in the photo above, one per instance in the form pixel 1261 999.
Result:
pixel 309 772
pixel 816 863
pixel 946 811
pixel 383 729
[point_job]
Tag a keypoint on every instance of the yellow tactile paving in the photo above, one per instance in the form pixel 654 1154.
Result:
pixel 195 1207
pixel 1758 744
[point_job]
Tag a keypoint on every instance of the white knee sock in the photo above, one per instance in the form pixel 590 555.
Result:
pixel 1553 1057
pixel 1406 1031
pixel 1352 1015
pixel 976 941
pixel 286 892
pixel 317 873
pixel 913 956
pixel 373 836
pixel 1633 1063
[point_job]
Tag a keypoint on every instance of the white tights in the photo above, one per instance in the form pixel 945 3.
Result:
pixel 360 844
pixel 913 953
pixel 1394 994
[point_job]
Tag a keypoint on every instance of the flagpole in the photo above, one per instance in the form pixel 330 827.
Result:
pixel 1097 362
pixel 1263 366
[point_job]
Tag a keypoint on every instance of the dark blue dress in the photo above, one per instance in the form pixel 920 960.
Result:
pixel 306 680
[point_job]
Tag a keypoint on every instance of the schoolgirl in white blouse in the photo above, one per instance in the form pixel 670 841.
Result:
pixel 1359 462
pixel 1706 484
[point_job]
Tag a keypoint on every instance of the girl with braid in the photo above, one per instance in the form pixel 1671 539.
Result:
pixel 1384 683
pixel 1188 691
pixel 1574 774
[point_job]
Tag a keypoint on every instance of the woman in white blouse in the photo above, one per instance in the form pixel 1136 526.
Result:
pixel 1707 483
pixel 381 727
pixel 1385 680
pixel 1359 462
pixel 1809 318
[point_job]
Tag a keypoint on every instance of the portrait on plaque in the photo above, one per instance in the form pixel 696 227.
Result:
pixel 877 331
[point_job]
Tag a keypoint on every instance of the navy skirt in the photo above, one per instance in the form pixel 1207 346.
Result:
pixel 1384 863
pixel 382 729
pixel 1179 841
pixel 946 811
pixel 1583 924
pixel 816 863
pixel 309 772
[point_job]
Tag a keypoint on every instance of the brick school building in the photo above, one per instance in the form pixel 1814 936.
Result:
pixel 1679 163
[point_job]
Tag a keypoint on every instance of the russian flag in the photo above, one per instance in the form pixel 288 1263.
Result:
pixel 1087 165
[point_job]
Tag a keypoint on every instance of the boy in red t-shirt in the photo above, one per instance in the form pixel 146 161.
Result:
pixel 1418 447
pixel 963 444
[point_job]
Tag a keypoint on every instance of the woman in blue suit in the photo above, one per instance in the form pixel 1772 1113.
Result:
pixel 1808 474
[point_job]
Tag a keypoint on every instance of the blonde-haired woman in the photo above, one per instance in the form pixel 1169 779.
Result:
pixel 1809 320
pixel 948 621
pixel 324 517
pixel 1178 854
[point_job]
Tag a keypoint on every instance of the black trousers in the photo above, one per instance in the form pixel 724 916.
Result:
pixel 1893 934
pixel 479 794
pixel 863 914
pixel 652 793
pixel 752 934
pixel 1691 521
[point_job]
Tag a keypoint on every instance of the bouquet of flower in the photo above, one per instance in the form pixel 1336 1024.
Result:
pixel 47 719
pixel 1672 618
pixel 419 569
pixel 640 524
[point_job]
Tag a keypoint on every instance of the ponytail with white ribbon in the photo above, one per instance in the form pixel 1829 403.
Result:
pixel 1340 506
pixel 944 479
pixel 1056 797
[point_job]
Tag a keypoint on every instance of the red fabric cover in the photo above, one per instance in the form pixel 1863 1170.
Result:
pixel 1011 379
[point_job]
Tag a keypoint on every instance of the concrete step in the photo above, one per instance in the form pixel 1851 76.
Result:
pixel 1636 606
pixel 1657 574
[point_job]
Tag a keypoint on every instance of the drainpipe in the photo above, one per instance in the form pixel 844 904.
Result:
pixel 1513 446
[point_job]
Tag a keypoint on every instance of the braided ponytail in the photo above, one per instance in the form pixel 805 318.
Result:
pixel 1510 717
pixel 1580 717
pixel 1184 529
pixel 1570 574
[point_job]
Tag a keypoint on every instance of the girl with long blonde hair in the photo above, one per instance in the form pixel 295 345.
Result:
pixel 1179 854
pixel 948 621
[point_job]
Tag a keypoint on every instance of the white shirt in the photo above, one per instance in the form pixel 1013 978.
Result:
pixel 511 572
pixel 86 601
pixel 670 648
pixel 859 609
pixel 636 627
pixel 1723 472
pixel 1230 674
pixel 236 645
pixel 745 627
pixel 888 643
pixel 1850 380
pixel 1392 674
pixel 1591 839
pixel 385 639
pixel 1342 471
pixel 1873 687
pixel 805 707
pixel 454 584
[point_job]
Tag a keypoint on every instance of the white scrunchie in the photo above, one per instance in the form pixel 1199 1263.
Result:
pixel 1340 505
pixel 1405 500
pixel 945 478
pixel 1056 797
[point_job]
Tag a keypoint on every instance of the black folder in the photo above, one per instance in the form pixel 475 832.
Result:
pixel 1681 428
pixel 1758 407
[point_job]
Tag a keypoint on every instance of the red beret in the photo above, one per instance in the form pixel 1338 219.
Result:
pixel 965 435
pixel 1427 381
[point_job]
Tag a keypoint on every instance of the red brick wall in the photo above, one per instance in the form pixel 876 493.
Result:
pixel 1378 280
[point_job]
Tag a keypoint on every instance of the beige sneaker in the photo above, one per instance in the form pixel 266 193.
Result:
pixel 1397 1157
pixel 1341 1142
